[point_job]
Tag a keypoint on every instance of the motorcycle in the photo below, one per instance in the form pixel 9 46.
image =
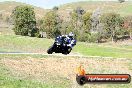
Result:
pixel 60 46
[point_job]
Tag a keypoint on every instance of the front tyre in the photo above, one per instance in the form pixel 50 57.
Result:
pixel 66 51
pixel 69 50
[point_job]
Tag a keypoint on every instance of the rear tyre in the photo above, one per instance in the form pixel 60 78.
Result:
pixel 49 51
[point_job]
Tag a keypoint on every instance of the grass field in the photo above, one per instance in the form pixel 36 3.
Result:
pixel 40 71
pixel 43 71
pixel 13 43
pixel 104 50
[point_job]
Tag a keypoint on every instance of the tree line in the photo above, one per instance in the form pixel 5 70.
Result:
pixel 95 26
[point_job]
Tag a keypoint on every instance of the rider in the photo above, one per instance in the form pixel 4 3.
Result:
pixel 61 38
pixel 69 37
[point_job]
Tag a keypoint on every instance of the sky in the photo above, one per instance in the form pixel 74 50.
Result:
pixel 48 4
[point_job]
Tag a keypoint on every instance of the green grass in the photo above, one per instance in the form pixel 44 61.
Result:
pixel 12 82
pixel 129 47
pixel 13 43
pixel 96 50
pixel 126 9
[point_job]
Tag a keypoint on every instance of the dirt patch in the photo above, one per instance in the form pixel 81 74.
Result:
pixel 64 67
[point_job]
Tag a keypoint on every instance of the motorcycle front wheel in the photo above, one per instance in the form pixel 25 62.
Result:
pixel 67 51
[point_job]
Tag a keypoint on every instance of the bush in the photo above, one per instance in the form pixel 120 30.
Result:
pixel 94 37
pixel 33 32
pixel 37 35
pixel 89 37
pixel 24 31
pixel 83 37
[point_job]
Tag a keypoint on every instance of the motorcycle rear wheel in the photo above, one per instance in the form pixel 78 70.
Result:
pixel 49 51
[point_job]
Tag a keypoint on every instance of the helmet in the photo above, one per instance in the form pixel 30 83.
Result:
pixel 71 35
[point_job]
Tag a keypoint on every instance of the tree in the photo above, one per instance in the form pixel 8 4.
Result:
pixel 74 20
pixel 96 20
pixel 121 1
pixel 55 8
pixel 128 25
pixel 52 24
pixel 76 17
pixel 24 20
pixel 79 11
pixel 76 24
pixel 97 26
pixel 86 19
pixel 112 24
pixel 1 16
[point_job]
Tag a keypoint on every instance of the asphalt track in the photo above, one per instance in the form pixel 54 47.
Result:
pixel 54 54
